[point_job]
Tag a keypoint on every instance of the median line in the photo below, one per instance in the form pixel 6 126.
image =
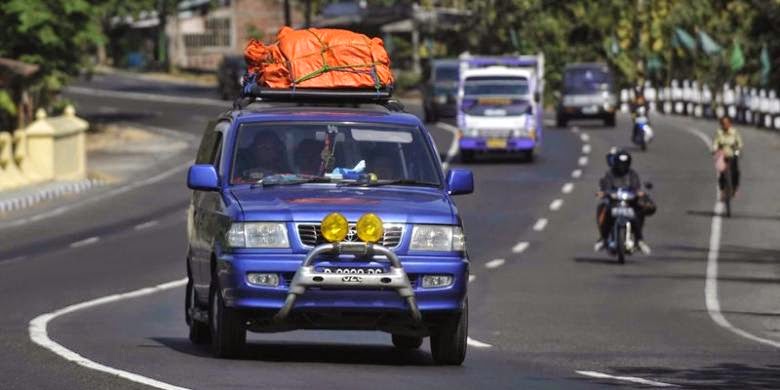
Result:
pixel 84 242
pixel 576 173
pixel 631 379
pixel 495 263
pixel 146 225
pixel 567 188
pixel 477 343
pixel 540 224
pixel 520 247
pixel 556 205
pixel 583 161
pixel 453 150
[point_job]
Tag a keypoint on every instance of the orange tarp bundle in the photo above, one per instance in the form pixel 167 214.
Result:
pixel 319 58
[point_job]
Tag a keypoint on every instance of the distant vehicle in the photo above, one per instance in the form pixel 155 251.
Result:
pixel 229 74
pixel 588 92
pixel 440 91
pixel 499 105
pixel 325 209
pixel 642 133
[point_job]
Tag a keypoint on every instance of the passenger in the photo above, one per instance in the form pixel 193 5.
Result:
pixel 308 156
pixel 384 163
pixel 265 156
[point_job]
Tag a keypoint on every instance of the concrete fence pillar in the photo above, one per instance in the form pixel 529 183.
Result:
pixel 10 176
pixel 21 157
pixel 57 146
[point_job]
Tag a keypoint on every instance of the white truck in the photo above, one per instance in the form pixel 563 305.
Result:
pixel 499 104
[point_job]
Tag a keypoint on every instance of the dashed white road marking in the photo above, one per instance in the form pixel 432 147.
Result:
pixel 84 242
pixel 711 283
pixel 632 379
pixel 567 188
pixel 520 247
pixel 584 137
pixel 477 343
pixel 576 173
pixel 472 277
pixel 39 335
pixel 586 149
pixel 540 224
pixel 146 225
pixel 495 263
pixel 556 204
pixel 453 150
pixel 583 161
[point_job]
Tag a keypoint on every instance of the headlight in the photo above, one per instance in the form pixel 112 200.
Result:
pixel 258 235
pixel 437 238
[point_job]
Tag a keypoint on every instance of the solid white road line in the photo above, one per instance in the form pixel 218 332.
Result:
pixel 146 225
pixel 453 150
pixel 477 343
pixel 711 284
pixel 540 224
pixel 472 277
pixel 520 247
pixel 584 137
pixel 586 149
pixel 495 263
pixel 632 379
pixel 576 173
pixel 567 188
pixel 583 161
pixel 39 335
pixel 84 242
pixel 154 97
pixel 556 204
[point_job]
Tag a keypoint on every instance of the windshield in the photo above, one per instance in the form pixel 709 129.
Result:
pixel 495 85
pixel 446 73
pixel 297 152
pixel 588 80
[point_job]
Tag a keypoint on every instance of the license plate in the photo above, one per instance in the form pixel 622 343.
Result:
pixel 496 143
pixel 627 212
pixel 590 109
pixel 352 270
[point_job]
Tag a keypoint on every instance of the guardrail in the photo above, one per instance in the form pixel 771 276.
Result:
pixel 752 106
pixel 48 149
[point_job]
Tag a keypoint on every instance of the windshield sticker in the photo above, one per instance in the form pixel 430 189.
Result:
pixel 400 137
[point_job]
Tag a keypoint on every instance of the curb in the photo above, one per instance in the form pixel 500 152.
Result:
pixel 49 193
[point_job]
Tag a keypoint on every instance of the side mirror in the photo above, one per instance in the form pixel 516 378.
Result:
pixel 460 182
pixel 202 177
pixel 649 185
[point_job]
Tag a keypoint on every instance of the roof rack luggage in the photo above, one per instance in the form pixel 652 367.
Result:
pixel 330 94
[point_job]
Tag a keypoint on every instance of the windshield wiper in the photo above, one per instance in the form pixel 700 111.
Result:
pixel 282 180
pixel 400 182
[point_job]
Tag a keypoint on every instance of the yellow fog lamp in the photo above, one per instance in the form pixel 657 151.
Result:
pixel 334 227
pixel 369 228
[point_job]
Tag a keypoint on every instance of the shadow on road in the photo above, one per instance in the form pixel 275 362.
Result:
pixel 722 376
pixel 599 260
pixel 280 351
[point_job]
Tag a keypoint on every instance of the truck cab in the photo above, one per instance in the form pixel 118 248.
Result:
pixel 323 209
pixel 499 105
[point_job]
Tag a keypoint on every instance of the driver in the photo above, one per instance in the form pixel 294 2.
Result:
pixel 264 157
pixel 620 175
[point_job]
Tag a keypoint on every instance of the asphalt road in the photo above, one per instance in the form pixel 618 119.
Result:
pixel 543 305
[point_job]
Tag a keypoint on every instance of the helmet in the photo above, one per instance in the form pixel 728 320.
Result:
pixel 619 160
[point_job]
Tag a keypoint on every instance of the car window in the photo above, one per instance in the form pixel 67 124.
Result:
pixel 391 152
pixel 207 145
pixel 446 73
pixel 495 85
pixel 586 80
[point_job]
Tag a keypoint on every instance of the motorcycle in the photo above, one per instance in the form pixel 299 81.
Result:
pixel 622 240
pixel 642 132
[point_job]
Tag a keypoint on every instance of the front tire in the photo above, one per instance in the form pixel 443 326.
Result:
pixel 407 342
pixel 620 249
pixel 448 341
pixel 199 331
pixel 228 333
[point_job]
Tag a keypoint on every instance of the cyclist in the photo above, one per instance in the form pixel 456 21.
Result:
pixel 729 142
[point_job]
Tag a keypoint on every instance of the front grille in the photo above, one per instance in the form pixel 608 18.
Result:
pixel 310 234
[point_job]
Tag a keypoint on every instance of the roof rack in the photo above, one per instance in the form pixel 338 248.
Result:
pixel 299 94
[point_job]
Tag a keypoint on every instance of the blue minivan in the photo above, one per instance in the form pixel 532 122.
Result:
pixel 325 210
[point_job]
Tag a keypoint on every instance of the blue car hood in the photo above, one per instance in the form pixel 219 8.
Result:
pixel 310 203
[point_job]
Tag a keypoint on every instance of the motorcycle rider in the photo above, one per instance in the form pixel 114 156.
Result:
pixel 729 141
pixel 620 175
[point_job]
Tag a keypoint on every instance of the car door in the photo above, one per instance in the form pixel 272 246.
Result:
pixel 204 204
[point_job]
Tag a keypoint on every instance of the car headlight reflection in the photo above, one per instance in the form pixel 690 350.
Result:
pixel 437 238
pixel 258 235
